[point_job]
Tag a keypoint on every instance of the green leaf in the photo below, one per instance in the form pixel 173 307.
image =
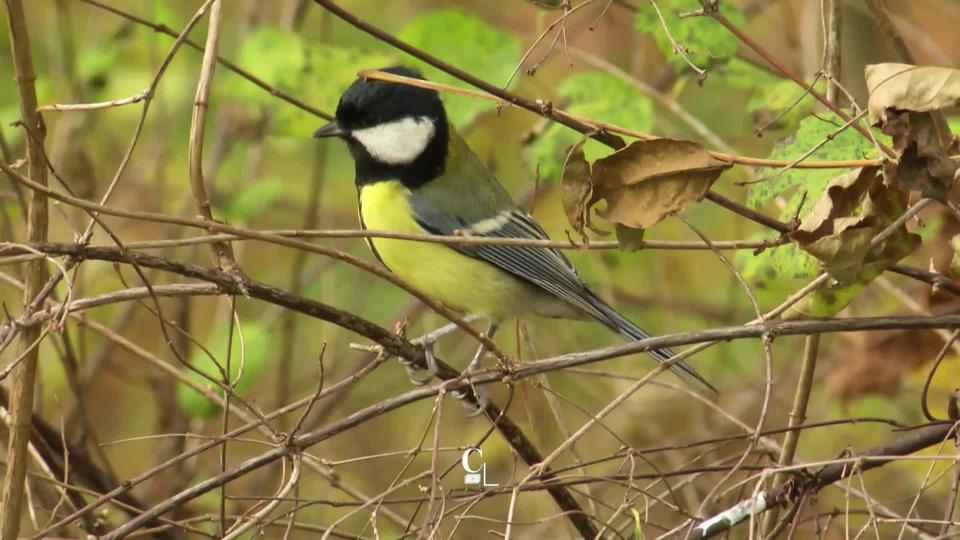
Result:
pixel 705 39
pixel 772 98
pixel 848 144
pixel 595 95
pixel 331 69
pixel 790 261
pixel 798 185
pixel 477 48
pixel 826 301
pixel 256 345
pixel 253 200
pixel 774 263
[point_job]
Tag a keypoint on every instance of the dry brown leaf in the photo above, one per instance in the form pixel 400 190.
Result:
pixel 648 180
pixel 575 187
pixel 840 198
pixel 955 260
pixel 905 101
pixel 911 88
pixel 854 208
pixel 923 163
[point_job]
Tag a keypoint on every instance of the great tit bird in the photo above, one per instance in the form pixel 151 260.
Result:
pixel 415 174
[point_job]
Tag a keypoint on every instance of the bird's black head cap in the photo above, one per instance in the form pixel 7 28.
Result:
pixel 369 104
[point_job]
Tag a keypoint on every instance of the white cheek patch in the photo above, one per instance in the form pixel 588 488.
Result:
pixel 398 142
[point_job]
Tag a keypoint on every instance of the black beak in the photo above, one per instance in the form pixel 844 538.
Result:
pixel 330 130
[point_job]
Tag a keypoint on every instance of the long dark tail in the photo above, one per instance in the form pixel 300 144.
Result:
pixel 626 328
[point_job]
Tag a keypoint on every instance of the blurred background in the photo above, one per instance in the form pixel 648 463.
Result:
pixel 609 61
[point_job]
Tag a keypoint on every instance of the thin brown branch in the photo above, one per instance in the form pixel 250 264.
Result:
pixel 798 415
pixel 17 255
pixel 832 51
pixel 21 401
pixel 878 456
pixel 201 104
pixel 214 226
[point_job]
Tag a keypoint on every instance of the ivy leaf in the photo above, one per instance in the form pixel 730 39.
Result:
pixel 848 144
pixel 705 39
pixel 595 95
pixel 806 185
pixel 826 301
pixel 480 49
pixel 256 346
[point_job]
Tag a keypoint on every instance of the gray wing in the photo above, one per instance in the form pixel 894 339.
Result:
pixel 546 268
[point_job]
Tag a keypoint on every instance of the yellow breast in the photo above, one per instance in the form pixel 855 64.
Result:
pixel 456 280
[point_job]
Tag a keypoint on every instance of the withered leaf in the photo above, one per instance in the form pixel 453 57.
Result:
pixel 841 198
pixel 855 208
pixel 904 101
pixel 911 88
pixel 923 163
pixel 648 180
pixel 955 260
pixel 575 187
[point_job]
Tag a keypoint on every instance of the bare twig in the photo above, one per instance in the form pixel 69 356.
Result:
pixel 21 406
pixel 869 459
pixel 798 415
pixel 832 51
pixel 221 250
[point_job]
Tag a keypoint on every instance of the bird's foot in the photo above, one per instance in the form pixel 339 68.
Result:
pixel 418 376
pixel 434 336
pixel 474 402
